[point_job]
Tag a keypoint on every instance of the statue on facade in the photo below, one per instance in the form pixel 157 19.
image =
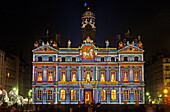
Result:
pixel 69 44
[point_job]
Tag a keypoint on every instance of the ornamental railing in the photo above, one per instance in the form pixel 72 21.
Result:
pixel 88 82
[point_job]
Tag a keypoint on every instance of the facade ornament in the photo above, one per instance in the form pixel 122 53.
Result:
pixel 107 43
pixel 69 44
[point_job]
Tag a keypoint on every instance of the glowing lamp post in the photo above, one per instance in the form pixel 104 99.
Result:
pixel 165 91
pixel 29 95
pixel 0 92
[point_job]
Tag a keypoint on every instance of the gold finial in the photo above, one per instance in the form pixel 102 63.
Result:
pixel 88 8
pixel 47 32
pixel 128 31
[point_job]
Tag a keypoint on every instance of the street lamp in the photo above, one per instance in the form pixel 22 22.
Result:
pixel 29 95
pixel 165 91
pixel 15 90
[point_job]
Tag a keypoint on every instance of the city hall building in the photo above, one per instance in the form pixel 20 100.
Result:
pixel 88 73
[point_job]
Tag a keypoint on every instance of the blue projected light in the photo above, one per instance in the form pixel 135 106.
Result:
pixel 85 4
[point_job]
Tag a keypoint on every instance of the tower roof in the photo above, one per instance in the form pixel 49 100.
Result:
pixel 88 14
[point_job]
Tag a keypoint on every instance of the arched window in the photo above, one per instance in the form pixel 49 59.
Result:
pixel 73 59
pixel 63 76
pixel 50 58
pixel 63 59
pixel 102 59
pixel 136 58
pixel 50 94
pixel 102 76
pixel 39 58
pixel 39 76
pixel 73 94
pixel 126 95
pixel 88 76
pixel 62 94
pixel 125 58
pixel 112 59
pixel 39 94
pixel 113 94
pixel 103 95
pixel 50 76
pixel 137 93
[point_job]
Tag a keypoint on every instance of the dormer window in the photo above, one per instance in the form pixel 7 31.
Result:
pixel 73 59
pixel 102 59
pixel 112 59
pixel 50 58
pixel 63 59
pixel 136 58
pixel 125 58
pixel 40 58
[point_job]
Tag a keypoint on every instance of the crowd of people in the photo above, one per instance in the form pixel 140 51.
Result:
pixel 90 107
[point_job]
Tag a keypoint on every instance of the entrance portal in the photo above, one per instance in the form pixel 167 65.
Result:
pixel 88 96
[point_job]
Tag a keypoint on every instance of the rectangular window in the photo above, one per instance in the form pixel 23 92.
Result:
pixel 126 95
pixel 39 76
pixel 50 75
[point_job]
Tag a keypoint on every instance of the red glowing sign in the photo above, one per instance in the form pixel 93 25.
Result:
pixel 88 52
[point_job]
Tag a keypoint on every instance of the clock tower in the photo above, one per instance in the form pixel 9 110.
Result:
pixel 88 28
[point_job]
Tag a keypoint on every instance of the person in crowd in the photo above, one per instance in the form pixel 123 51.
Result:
pixel 99 108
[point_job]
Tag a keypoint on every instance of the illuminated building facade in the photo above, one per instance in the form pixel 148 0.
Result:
pixel 88 73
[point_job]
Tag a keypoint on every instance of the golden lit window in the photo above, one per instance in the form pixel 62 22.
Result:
pixel 73 76
pixel 136 94
pixel 113 94
pixel 50 76
pixel 112 76
pixel 62 94
pixel 73 94
pixel 125 72
pixel 126 94
pixel 103 94
pixel 63 76
pixel 39 76
pixel 39 95
pixel 88 76
pixel 136 75
pixel 50 95
pixel 102 76
pixel 8 74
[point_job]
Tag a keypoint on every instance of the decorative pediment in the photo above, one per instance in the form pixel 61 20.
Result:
pixel 45 48
pixel 130 48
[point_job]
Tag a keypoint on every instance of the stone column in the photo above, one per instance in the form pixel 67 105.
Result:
pixel 82 93
pixel 120 99
pixel 68 73
pixel 33 93
pixel 56 73
pixel 55 94
pixel 68 96
pixel 44 96
pixel 93 94
pixel 107 74
pixel 108 96
pixel 79 73
pixel 33 73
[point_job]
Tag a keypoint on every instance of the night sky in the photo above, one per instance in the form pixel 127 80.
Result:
pixel 24 22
